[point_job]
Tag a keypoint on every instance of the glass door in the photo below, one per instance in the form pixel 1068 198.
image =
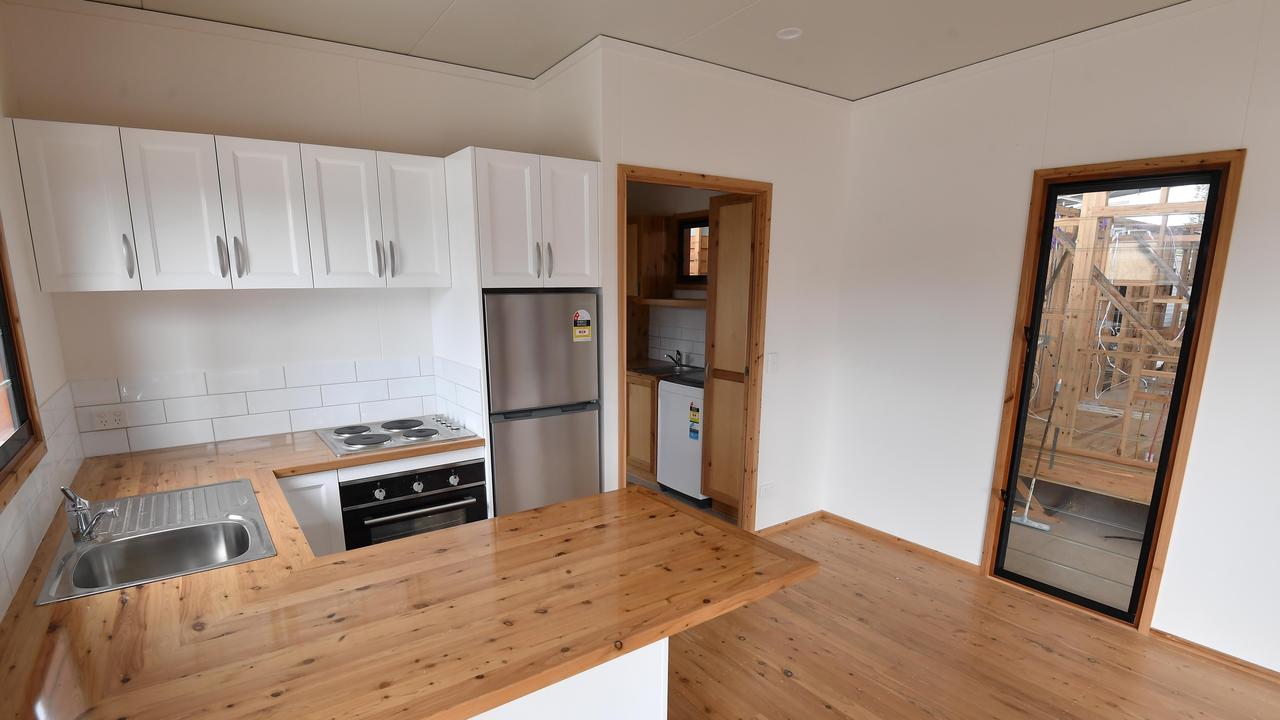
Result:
pixel 1114 316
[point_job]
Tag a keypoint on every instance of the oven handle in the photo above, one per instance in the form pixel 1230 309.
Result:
pixel 371 522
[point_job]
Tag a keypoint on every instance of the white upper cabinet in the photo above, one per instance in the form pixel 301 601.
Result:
pixel 570 222
pixel 509 219
pixel 177 209
pixel 415 224
pixel 73 176
pixel 266 215
pixel 343 217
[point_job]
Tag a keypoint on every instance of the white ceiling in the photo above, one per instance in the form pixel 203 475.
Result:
pixel 850 48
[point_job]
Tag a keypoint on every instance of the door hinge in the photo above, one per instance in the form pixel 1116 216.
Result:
pixel 1004 495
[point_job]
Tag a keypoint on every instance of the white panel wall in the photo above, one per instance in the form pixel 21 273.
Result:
pixel 942 176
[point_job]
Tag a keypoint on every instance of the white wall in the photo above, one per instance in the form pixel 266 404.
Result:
pixel 942 177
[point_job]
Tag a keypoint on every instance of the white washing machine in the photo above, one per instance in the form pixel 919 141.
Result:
pixel 680 423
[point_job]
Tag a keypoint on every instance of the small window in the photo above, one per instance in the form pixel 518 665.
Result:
pixel 695 249
pixel 16 427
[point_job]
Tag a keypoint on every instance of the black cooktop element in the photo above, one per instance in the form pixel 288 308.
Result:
pixel 346 430
pixel 368 439
pixel 401 424
pixel 419 433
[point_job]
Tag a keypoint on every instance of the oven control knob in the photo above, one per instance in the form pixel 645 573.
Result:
pixel 454 479
pixel 379 494
pixel 418 486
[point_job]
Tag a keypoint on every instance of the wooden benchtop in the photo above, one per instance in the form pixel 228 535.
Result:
pixel 446 625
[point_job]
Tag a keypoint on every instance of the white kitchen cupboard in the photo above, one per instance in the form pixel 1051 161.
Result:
pixel 265 213
pixel 343 218
pixel 314 500
pixel 176 207
pixel 570 222
pixel 509 218
pixel 78 205
pixel 415 224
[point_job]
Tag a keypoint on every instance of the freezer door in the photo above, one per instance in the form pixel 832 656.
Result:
pixel 549 457
pixel 542 349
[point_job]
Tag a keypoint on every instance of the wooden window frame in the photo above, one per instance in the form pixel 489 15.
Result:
pixel 1230 164
pixel 700 218
pixel 20 467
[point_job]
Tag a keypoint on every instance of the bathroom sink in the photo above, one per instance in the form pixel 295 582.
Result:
pixel 160 536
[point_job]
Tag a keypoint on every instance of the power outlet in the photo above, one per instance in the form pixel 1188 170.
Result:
pixel 109 419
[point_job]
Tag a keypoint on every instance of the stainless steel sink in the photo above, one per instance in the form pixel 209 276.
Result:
pixel 159 536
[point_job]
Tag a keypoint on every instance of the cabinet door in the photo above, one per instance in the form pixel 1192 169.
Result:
pixel 73 176
pixel 509 219
pixel 265 213
pixel 176 207
pixel 343 220
pixel 571 222
pixel 415 224
pixel 314 501
pixel 641 425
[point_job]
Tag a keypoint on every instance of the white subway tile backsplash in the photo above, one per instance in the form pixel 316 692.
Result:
pixel 205 406
pixel 320 373
pixel 461 374
pixel 152 437
pixel 288 399
pixel 408 387
pixel 429 405
pixel 323 417
pixel 468 398
pixel 244 379
pixel 446 389
pixel 158 386
pixel 95 392
pixel 348 393
pixel 135 414
pixel 383 369
pixel 243 426
pixel 390 409
pixel 104 442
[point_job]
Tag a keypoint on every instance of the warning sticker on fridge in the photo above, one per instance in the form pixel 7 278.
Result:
pixel 695 420
pixel 581 326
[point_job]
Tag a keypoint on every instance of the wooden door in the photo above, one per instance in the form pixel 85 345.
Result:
pixel 73 176
pixel 509 219
pixel 729 316
pixel 265 213
pixel 176 206
pixel 571 222
pixel 415 225
pixel 343 217
pixel 642 424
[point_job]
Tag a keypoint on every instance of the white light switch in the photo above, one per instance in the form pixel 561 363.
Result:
pixel 770 362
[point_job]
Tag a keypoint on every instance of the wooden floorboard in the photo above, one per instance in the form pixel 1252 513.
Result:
pixel 885 631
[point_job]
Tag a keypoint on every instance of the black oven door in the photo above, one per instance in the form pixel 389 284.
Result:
pixel 381 522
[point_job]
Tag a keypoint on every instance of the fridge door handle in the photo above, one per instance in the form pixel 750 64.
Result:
pixel 538 248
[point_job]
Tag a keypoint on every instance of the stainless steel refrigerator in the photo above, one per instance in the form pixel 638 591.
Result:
pixel 544 390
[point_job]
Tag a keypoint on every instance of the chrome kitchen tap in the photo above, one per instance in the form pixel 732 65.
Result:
pixel 82 524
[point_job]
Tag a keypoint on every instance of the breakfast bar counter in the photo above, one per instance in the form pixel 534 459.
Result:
pixel 447 624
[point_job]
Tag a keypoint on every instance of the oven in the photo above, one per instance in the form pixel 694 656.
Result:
pixel 388 507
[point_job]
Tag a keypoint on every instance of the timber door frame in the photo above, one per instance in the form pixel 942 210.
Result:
pixel 762 194
pixel 1230 165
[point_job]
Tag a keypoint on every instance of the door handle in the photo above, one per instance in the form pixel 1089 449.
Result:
pixel 410 514
pixel 128 255
pixel 391 245
pixel 242 257
pixel 538 248
pixel 551 260
pixel 377 246
pixel 224 261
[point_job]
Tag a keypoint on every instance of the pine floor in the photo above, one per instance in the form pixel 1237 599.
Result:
pixel 887 631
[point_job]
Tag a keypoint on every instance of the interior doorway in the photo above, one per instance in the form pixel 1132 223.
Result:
pixel 693 265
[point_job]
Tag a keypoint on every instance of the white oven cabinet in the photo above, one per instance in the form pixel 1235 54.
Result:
pixel 415 223
pixel 265 213
pixel 314 500
pixel 73 177
pixel 570 222
pixel 343 217
pixel 508 202
pixel 176 206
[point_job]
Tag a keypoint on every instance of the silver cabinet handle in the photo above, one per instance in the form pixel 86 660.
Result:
pixel 129 261
pixel 224 261
pixel 377 246
pixel 538 247
pixel 409 514
pixel 242 257
pixel 391 245
pixel 551 260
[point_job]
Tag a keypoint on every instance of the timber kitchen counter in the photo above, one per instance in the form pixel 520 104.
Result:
pixel 448 624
